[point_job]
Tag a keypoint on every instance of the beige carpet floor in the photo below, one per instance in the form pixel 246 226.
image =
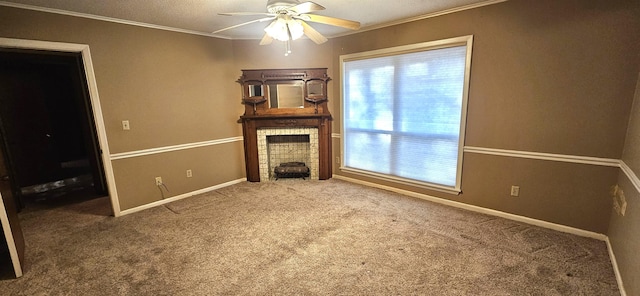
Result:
pixel 295 237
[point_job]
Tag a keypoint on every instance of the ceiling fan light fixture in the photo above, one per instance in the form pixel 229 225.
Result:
pixel 290 19
pixel 296 29
pixel 285 29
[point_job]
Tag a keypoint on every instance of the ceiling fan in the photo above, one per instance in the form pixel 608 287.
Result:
pixel 289 21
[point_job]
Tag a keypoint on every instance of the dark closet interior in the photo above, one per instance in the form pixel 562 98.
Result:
pixel 47 127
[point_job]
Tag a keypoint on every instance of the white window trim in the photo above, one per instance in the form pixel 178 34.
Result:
pixel 431 45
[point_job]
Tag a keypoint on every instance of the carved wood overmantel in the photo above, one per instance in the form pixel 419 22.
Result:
pixel 285 98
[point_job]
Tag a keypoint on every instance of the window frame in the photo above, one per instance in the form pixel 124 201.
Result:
pixel 407 49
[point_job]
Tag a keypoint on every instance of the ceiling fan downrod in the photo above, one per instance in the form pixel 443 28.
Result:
pixel 280 6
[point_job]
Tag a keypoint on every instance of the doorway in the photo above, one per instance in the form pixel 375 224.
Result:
pixel 46 120
pixel 12 232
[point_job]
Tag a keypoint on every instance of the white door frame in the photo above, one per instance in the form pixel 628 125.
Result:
pixel 8 235
pixel 93 95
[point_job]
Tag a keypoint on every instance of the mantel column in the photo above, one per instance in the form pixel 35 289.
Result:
pixel 324 146
pixel 252 164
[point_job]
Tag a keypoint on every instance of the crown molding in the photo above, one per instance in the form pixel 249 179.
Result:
pixel 193 32
pixel 107 19
pixel 421 17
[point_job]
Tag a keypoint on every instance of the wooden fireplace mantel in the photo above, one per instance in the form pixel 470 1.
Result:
pixel 250 125
pixel 312 112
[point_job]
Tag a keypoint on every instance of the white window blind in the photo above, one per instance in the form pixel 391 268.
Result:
pixel 403 113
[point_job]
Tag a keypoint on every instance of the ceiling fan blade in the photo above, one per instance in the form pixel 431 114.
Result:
pixel 307 7
pixel 313 34
pixel 250 22
pixel 331 21
pixel 266 39
pixel 244 13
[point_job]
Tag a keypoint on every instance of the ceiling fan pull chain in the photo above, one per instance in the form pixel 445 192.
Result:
pixel 287 47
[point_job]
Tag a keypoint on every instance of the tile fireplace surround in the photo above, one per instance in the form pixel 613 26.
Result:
pixel 271 154
pixel 256 128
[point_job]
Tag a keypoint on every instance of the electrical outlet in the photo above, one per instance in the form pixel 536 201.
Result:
pixel 189 174
pixel 158 181
pixel 125 125
pixel 338 159
pixel 515 190
pixel 619 200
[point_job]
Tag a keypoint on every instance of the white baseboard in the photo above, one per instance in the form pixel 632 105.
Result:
pixel 179 197
pixel 541 223
pixel 531 221
pixel 616 271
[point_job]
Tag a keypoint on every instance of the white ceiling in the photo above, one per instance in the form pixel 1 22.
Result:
pixel 201 16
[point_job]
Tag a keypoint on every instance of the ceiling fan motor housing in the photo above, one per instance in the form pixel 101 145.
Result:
pixel 280 6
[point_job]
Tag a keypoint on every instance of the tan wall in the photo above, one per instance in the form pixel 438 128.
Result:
pixel 211 165
pixel 305 54
pixel 174 89
pixel 547 76
pixel 624 230
pixel 624 238
pixel 631 154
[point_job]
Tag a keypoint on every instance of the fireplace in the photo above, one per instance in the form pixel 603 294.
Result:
pixel 277 132
pixel 287 136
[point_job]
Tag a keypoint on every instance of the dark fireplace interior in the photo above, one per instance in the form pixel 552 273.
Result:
pixel 292 170
pixel 288 155
pixel 273 139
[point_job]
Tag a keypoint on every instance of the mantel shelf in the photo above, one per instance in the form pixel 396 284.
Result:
pixel 280 116
pixel 315 100
pixel 254 100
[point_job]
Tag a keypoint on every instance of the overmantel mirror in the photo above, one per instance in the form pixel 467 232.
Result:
pixel 286 94
pixel 267 91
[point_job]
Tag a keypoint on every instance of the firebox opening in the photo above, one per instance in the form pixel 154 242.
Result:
pixel 287 149
pixel 292 169
pixel 287 144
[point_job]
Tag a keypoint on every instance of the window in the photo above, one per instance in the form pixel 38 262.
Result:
pixel 404 111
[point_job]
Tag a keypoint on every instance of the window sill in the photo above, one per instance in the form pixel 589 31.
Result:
pixel 402 181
